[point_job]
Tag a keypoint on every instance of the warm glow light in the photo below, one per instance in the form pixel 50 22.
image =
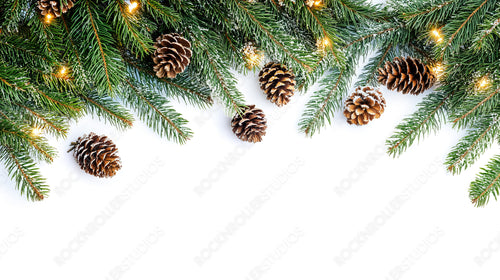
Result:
pixel 132 6
pixel 314 3
pixel 254 59
pixel 325 42
pixel 63 70
pixel 322 44
pixel 36 131
pixel 483 83
pixel 438 69
pixel 48 18
pixel 437 35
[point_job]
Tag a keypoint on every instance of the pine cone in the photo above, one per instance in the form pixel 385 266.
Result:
pixel 277 82
pixel 172 55
pixel 53 7
pixel 408 75
pixel 364 105
pixel 96 155
pixel 251 125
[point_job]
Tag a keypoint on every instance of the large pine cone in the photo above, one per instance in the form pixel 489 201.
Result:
pixel 96 155
pixel 277 82
pixel 53 7
pixel 364 105
pixel 172 55
pixel 251 125
pixel 408 75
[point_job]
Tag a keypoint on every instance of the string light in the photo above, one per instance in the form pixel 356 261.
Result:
pixel 322 44
pixel 437 35
pixel 63 71
pixel 36 131
pixel 48 18
pixel 438 70
pixel 483 83
pixel 314 3
pixel 132 6
pixel 253 56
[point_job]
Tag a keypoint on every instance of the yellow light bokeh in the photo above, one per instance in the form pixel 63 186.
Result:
pixel 132 6
pixel 323 43
pixel 437 35
pixel 438 69
pixel 483 83
pixel 63 70
pixel 48 18
pixel 254 59
pixel 36 131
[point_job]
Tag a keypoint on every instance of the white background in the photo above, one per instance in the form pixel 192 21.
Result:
pixel 331 207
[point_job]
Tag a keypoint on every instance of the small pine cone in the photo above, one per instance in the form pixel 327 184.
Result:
pixel 53 7
pixel 172 55
pixel 277 82
pixel 408 75
pixel 364 105
pixel 96 155
pixel 251 125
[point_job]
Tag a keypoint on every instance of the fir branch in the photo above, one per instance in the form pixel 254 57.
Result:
pixel 185 87
pixel 161 12
pixel 428 117
pixel 466 28
pixel 221 81
pixel 270 34
pixel 96 43
pixel 475 110
pixel 472 145
pixel 355 11
pixel 371 35
pixel 325 101
pixel 131 29
pixel 155 112
pixel 486 184
pixel 12 136
pixel 50 124
pixel 27 176
pixel 107 109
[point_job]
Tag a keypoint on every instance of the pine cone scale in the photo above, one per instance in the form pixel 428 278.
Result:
pixel 97 155
pixel 364 105
pixel 251 125
pixel 277 82
pixel 406 75
pixel 172 55
pixel 53 7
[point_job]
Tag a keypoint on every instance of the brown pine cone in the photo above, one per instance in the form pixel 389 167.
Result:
pixel 277 82
pixel 408 75
pixel 364 105
pixel 251 125
pixel 172 55
pixel 96 155
pixel 53 7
